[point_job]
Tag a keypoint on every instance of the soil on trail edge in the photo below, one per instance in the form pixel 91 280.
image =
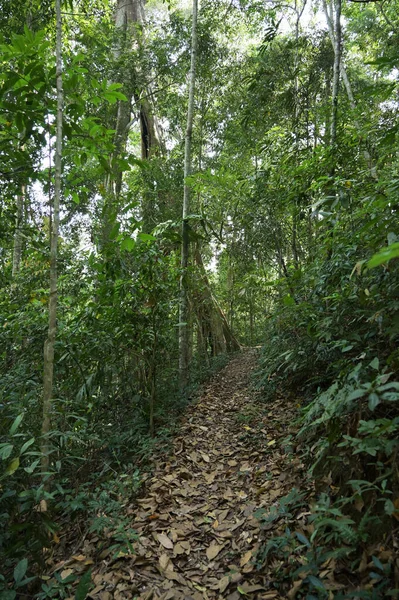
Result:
pixel 198 535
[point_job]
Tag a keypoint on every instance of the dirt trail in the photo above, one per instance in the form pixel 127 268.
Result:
pixel 197 531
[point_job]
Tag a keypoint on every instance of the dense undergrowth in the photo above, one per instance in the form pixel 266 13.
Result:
pixel 332 347
pixel 108 420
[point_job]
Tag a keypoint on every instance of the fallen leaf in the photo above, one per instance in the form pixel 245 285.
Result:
pixel 66 573
pixel 295 588
pixel 246 588
pixel 246 558
pixel 213 550
pixel 224 584
pixel 165 541
pixel 271 443
pixel 178 549
pixel 164 560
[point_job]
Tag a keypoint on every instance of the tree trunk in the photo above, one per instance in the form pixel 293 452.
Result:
pixel 184 334
pixel 18 237
pixel 336 76
pixel 52 326
pixel 129 17
pixel 214 324
pixel 348 88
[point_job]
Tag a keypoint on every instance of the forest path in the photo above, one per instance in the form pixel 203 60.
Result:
pixel 197 531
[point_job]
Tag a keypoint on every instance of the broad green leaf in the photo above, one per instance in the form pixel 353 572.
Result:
pixel 389 507
pixel 84 586
pixel 128 244
pixel 26 445
pixel 356 394
pixel 302 538
pixel 146 237
pixel 20 570
pixel 316 582
pixel 5 450
pixel 384 255
pixel 13 466
pixel 16 424
pixel 375 363
pixel 32 467
pixel 377 561
pixel 289 300
pixel 374 401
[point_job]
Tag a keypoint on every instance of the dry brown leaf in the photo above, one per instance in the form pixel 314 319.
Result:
pixel 164 561
pixel 165 541
pixel 246 558
pixel 66 573
pixel 246 588
pixel 295 588
pixel 178 549
pixel 210 477
pixel 224 584
pixel 213 550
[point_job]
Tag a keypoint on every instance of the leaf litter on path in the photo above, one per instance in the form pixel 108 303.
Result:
pixel 197 532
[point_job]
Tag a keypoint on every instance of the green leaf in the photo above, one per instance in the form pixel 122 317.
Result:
pixel 389 507
pixel 16 424
pixel 288 300
pixel 302 538
pixel 32 467
pixel 356 394
pixel 128 244
pixel 20 570
pixel 26 445
pixel 5 450
pixel 84 586
pixel 377 561
pixel 13 466
pixel 347 348
pixel 375 363
pixel 374 401
pixel 146 237
pixel 317 583
pixel 384 255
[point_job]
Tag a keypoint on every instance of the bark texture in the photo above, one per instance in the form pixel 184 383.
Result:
pixel 52 327
pixel 348 87
pixel 18 236
pixel 337 71
pixel 184 334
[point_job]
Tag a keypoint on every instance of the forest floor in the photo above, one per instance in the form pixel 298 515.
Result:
pixel 198 536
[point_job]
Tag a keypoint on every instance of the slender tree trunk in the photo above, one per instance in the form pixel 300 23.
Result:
pixel 336 75
pixel 18 237
pixel 129 23
pixel 52 326
pixel 184 334
pixel 348 88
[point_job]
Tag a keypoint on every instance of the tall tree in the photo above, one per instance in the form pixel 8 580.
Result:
pixel 337 40
pixel 332 31
pixel 49 345
pixel 184 332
